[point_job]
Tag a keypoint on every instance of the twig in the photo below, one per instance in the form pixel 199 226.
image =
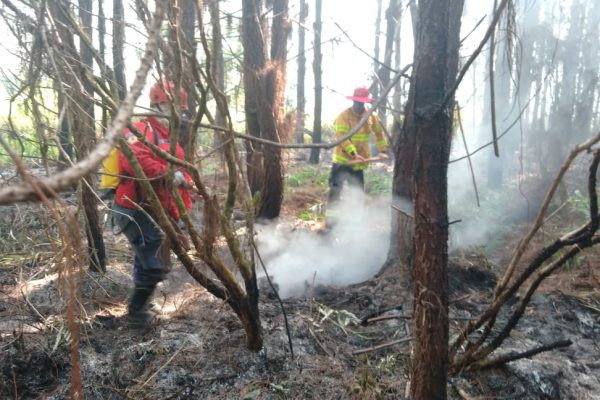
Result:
pixel 382 346
pixel 540 218
pixel 493 88
pixel 319 343
pixel 166 363
pixel 403 212
pixel 464 140
pixel 460 298
pixel 365 52
pixel 517 356
pixel 37 313
pixel 385 317
pixel 474 55
pixel 377 313
pixel 287 326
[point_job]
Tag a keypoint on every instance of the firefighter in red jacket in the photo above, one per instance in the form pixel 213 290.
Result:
pixel 138 225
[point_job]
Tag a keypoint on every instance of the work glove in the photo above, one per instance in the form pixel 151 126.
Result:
pixel 180 179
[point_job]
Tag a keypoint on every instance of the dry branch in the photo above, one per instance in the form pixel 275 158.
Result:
pixel 496 362
pixel 536 271
pixel 63 180
pixel 382 346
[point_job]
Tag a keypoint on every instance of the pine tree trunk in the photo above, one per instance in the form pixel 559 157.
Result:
pixel 436 63
pixel 318 73
pixel 300 96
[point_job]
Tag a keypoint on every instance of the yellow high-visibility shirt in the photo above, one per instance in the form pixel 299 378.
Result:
pixel 359 143
pixel 110 165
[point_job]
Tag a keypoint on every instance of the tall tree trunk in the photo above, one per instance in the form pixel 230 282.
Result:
pixel 102 52
pixel 503 103
pixel 376 63
pixel 118 41
pixel 272 112
pixel 85 141
pixel 178 67
pixel 218 64
pixel 300 96
pixel 254 61
pixel 397 96
pixel 401 251
pixel 318 74
pixel 264 85
pixel 392 15
pixel 436 63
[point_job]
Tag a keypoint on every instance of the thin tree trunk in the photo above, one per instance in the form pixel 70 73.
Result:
pixel 397 97
pixel 264 85
pixel 300 96
pixel 85 141
pixel 254 61
pixel 218 65
pixel 391 15
pixel 102 51
pixel 436 61
pixel 376 65
pixel 118 41
pixel 318 74
pixel 272 112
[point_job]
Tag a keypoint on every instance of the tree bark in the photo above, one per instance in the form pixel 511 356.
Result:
pixel 436 63
pixel 118 41
pixel 300 96
pixel 218 66
pixel 318 74
pixel 271 111
pixel 85 141
pixel 264 84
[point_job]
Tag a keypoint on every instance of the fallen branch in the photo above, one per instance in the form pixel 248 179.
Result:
pixel 366 318
pixel 287 325
pixel 517 356
pixel 547 261
pixel 382 346
pixel 386 317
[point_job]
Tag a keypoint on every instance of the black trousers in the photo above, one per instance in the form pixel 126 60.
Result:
pixel 145 238
pixel 341 174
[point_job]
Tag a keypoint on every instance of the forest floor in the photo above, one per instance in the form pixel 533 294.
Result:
pixel 196 347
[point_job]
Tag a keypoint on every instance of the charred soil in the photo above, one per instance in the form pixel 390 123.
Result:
pixel 348 342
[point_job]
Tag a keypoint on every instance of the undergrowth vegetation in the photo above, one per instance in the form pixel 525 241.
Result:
pixel 378 182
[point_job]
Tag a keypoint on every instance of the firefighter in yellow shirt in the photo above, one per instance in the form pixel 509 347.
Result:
pixel 351 157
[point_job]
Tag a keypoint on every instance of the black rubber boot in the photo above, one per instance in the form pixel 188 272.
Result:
pixel 139 303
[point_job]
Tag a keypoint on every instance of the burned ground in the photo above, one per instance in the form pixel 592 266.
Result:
pixel 344 345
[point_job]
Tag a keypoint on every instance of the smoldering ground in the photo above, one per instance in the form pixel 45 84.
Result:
pixel 353 251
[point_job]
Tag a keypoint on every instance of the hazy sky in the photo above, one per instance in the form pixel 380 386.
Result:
pixel 345 64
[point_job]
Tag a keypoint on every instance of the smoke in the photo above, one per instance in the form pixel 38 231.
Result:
pixel 353 251
pixel 472 226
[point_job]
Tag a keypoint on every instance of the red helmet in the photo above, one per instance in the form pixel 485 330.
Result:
pixel 158 94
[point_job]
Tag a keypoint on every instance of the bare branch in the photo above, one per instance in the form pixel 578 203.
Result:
pixel 67 178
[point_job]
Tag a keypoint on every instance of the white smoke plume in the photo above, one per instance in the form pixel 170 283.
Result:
pixel 352 252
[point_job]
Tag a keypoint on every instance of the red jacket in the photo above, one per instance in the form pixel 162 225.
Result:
pixel 155 168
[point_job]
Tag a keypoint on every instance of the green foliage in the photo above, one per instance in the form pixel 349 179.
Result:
pixel 313 213
pixel 488 223
pixel 378 182
pixel 580 204
pixel 575 262
pixel 19 131
pixel 327 133
pixel 365 385
pixel 24 142
pixel 308 174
